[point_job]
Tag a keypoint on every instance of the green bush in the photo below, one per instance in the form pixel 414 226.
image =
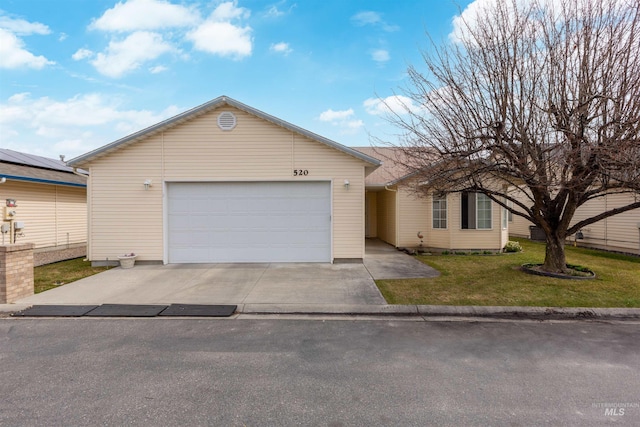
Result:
pixel 512 247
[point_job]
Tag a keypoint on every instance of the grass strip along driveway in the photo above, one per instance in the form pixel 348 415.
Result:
pixel 51 276
pixel 496 280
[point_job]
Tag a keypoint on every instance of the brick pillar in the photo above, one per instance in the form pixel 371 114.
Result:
pixel 16 272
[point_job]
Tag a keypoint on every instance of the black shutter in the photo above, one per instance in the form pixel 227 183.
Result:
pixel 465 210
pixel 468 210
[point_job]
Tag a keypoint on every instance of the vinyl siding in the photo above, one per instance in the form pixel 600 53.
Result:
pixel 439 238
pixel 402 214
pixel 473 239
pixel 54 215
pixel 386 215
pixel 126 218
pixel 623 230
pixel 371 200
pixel 620 232
pixel 412 217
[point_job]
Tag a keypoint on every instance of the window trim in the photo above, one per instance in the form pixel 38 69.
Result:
pixel 439 198
pixel 475 213
pixel 504 219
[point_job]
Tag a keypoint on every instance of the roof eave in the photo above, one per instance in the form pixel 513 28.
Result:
pixel 43 181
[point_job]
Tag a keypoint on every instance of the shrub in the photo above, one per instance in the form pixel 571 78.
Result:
pixel 512 246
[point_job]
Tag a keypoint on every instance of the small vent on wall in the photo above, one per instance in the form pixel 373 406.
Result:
pixel 226 120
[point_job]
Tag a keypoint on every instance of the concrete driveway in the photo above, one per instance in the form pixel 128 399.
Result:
pixel 275 284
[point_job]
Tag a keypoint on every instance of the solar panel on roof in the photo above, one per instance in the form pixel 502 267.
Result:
pixel 11 156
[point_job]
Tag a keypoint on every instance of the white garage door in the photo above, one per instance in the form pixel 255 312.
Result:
pixel 249 222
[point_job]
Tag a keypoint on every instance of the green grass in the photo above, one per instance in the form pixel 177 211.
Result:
pixel 60 273
pixel 496 280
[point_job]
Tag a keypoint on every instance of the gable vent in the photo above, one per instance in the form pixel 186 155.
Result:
pixel 226 120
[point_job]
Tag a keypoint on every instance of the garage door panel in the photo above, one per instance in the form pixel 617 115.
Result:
pixel 249 222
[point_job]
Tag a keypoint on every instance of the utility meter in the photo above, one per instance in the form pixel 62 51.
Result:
pixel 10 213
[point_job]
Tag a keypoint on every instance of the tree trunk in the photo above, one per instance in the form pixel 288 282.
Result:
pixel 555 260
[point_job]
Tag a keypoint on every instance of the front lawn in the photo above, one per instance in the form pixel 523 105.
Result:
pixel 60 273
pixel 496 280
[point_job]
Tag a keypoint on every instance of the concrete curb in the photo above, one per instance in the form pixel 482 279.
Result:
pixel 535 313
pixel 12 308
pixel 538 313
pixel 394 310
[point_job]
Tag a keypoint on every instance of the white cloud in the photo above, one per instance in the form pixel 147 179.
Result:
pixel 72 126
pixel 223 39
pixel 372 18
pixel 396 104
pixel 281 47
pixel 274 12
pixel 217 35
pixel 22 27
pixel 222 34
pixel 349 127
pixel 468 17
pixel 366 18
pixel 136 15
pixel 129 54
pixel 342 119
pixel 13 54
pixel 157 69
pixel 278 9
pixel 380 55
pixel 82 54
pixel 229 10
pixel 331 116
pixel 474 11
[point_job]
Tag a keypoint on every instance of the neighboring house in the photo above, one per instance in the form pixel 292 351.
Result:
pixel 51 204
pixel 398 212
pixel 225 182
pixel 620 233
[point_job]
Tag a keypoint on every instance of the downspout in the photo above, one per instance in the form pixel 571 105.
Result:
pixel 88 200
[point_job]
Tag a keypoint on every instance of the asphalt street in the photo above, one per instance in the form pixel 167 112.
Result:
pixel 257 372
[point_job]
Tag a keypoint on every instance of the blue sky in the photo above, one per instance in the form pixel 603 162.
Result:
pixel 78 74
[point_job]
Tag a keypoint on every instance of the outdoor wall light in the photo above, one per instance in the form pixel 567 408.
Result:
pixel 579 235
pixel 147 184
pixel 346 184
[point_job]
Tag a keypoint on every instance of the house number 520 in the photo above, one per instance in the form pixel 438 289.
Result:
pixel 300 172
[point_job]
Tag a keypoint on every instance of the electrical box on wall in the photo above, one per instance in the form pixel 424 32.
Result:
pixel 18 225
pixel 5 228
pixel 10 213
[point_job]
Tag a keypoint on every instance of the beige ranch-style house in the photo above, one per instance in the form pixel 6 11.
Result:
pixel 405 213
pixel 225 182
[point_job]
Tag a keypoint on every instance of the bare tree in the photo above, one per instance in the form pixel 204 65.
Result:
pixel 537 105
